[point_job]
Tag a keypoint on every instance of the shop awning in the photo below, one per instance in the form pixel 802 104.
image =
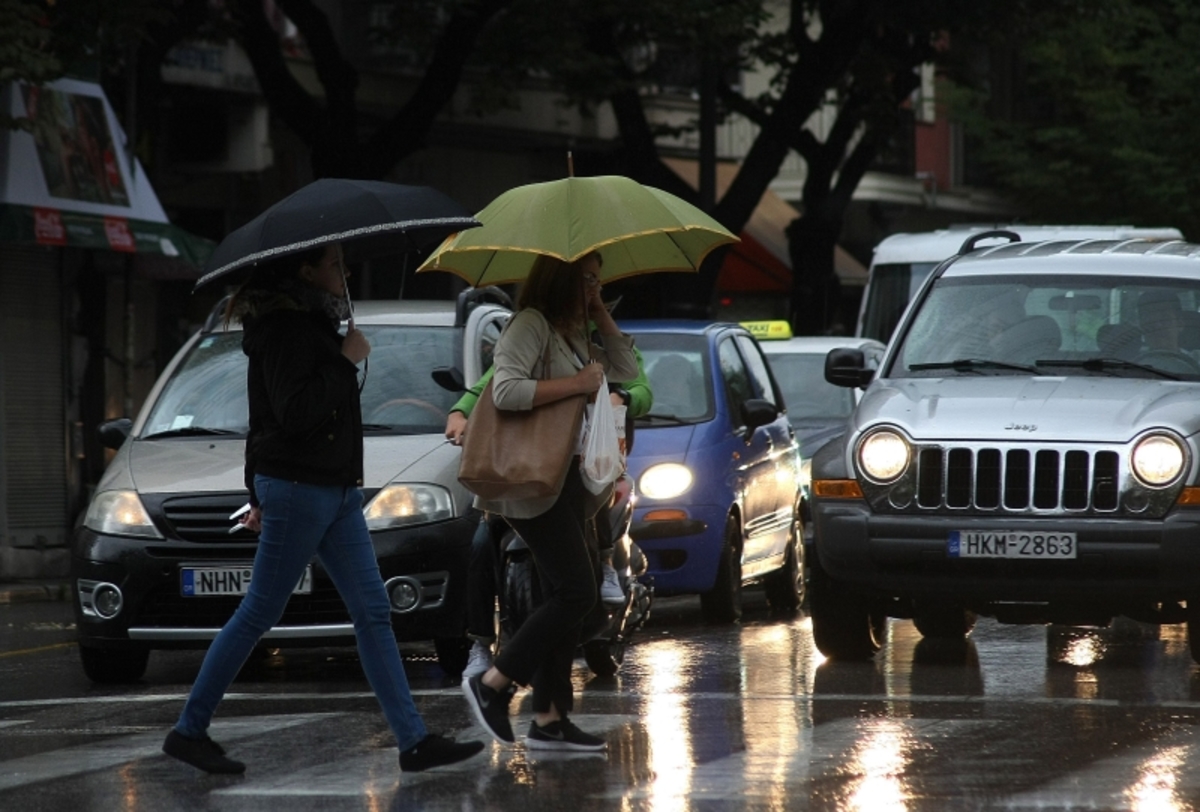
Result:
pixel 761 262
pixel 70 181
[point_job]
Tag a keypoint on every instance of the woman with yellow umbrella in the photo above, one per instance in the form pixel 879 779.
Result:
pixel 548 235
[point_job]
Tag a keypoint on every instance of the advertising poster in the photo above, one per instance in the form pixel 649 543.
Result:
pixel 75 146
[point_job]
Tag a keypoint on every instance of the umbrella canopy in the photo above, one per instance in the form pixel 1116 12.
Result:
pixel 371 216
pixel 637 229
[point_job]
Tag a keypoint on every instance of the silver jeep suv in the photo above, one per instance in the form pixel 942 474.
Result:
pixel 1027 451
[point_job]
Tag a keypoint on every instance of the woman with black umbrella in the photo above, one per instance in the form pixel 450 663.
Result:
pixel 304 472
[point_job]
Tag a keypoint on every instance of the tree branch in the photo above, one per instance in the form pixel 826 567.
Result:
pixel 406 131
pixel 289 101
pixel 337 76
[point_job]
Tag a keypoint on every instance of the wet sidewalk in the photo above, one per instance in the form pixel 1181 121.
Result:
pixel 34 590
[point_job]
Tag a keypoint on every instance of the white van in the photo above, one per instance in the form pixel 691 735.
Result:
pixel 902 262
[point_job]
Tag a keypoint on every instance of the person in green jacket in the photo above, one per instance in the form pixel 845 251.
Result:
pixel 637 398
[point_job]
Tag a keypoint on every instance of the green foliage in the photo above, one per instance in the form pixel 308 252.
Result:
pixel 1105 128
pixel 590 49
pixel 25 47
pixel 44 40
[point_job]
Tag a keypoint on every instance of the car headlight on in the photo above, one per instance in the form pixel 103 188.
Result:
pixel 883 456
pixel 665 481
pixel 1158 460
pixel 119 513
pixel 401 505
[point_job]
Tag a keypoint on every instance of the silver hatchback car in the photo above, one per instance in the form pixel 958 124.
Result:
pixel 1029 449
pixel 157 561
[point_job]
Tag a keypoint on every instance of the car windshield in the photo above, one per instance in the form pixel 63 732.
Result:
pixel 807 394
pixel 677 368
pixel 207 392
pixel 1071 324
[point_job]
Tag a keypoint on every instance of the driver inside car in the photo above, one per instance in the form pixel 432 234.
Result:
pixel 1161 318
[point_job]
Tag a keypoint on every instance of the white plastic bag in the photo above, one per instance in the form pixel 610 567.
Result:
pixel 602 462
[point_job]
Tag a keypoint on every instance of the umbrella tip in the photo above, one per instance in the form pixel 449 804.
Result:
pixel 570 165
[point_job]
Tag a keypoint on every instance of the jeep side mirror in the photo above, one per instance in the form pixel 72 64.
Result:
pixel 847 367
pixel 450 379
pixel 114 433
pixel 757 412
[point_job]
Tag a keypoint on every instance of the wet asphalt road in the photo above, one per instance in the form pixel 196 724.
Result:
pixel 699 718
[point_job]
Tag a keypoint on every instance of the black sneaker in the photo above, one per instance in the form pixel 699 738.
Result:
pixel 562 735
pixel 434 751
pixel 204 754
pixel 490 708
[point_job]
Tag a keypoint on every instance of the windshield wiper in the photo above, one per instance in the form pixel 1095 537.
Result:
pixel 190 431
pixel 1106 365
pixel 971 365
pixel 376 427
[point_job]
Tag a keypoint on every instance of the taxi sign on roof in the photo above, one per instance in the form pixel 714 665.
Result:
pixel 768 330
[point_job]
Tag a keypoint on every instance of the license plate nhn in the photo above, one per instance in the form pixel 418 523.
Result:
pixel 200 582
pixel 1010 544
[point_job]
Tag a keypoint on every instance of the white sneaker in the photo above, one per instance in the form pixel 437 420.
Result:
pixel 610 587
pixel 478 661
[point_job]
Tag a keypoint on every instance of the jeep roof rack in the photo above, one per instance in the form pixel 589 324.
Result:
pixel 969 244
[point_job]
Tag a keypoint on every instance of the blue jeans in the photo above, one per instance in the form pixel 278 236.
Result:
pixel 300 521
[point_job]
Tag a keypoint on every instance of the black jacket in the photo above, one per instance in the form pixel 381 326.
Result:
pixel 305 418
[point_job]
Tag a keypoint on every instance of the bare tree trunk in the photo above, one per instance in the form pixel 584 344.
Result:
pixel 816 292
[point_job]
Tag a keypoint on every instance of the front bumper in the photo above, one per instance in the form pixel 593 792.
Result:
pixel 682 554
pixel 1118 561
pixel 155 614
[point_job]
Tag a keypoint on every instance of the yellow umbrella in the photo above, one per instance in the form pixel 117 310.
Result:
pixel 637 229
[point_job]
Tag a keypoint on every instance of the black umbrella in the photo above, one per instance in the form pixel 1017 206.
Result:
pixel 370 216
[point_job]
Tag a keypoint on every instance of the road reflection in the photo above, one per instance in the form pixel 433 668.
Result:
pixel 879 762
pixel 667 720
pixel 1155 789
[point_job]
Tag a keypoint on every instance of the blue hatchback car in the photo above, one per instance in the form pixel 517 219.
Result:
pixel 717 468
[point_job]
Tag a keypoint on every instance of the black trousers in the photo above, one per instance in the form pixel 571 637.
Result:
pixel 483 579
pixel 543 650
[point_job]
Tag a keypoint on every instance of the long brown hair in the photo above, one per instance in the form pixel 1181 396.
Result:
pixel 555 288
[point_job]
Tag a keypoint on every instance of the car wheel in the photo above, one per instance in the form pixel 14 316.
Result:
pixel 845 624
pixel 109 667
pixel 604 657
pixel 723 603
pixel 522 593
pixel 942 621
pixel 452 654
pixel 785 586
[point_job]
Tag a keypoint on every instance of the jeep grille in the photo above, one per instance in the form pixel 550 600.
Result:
pixel 1023 480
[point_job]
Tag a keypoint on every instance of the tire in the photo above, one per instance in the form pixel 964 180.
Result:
pixel 604 657
pixel 109 667
pixel 845 625
pixel 943 621
pixel 522 592
pixel 723 603
pixel 785 587
pixel 452 654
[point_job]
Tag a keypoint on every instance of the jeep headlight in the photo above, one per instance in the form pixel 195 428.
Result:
pixel 665 481
pixel 883 456
pixel 1157 460
pixel 401 505
pixel 119 513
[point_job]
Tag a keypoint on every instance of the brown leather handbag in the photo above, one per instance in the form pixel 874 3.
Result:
pixel 520 454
